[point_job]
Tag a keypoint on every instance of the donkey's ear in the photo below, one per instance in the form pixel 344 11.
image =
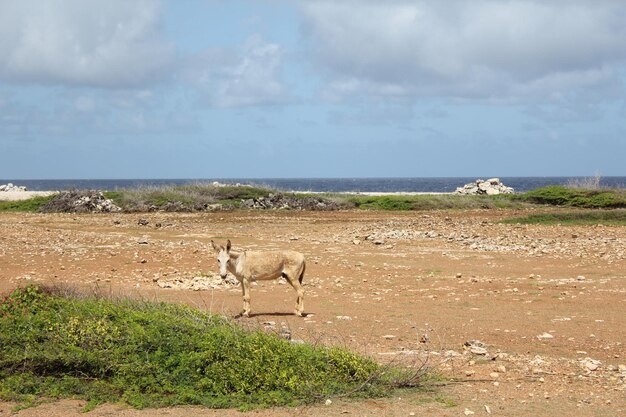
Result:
pixel 215 247
pixel 228 245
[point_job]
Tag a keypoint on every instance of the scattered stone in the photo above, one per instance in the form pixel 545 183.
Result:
pixel 468 412
pixel 285 333
pixel 476 350
pixel 389 336
pixel 545 336
pixel 475 347
pixel 590 364
pixel 279 201
pixel 198 283
pixel 142 222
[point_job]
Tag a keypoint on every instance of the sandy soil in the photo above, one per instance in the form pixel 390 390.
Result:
pixel 546 301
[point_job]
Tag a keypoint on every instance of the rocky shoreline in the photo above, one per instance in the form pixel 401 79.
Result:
pixel 12 192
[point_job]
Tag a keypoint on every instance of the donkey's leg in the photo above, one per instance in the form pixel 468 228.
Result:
pixel 245 288
pixel 295 283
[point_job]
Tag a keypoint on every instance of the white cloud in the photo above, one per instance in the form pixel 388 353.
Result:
pixel 90 113
pixel 466 49
pixel 113 43
pixel 248 76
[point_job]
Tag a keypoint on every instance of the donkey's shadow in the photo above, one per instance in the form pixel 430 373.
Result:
pixel 274 314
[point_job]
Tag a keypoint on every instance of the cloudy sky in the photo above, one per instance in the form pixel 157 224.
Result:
pixel 315 88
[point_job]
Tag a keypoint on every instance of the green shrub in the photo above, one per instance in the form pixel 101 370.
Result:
pixel 186 197
pixel 432 202
pixel 157 354
pixel 582 217
pixel 558 195
pixel 383 202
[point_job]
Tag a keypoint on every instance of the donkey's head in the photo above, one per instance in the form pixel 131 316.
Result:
pixel 223 257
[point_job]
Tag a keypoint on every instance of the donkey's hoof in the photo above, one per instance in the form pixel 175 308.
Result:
pixel 298 313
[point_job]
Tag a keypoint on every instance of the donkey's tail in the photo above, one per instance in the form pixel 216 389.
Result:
pixel 301 277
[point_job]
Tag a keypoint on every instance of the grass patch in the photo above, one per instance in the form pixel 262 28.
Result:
pixel 591 217
pixel 433 202
pixel 29 205
pixel 54 345
pixel 191 196
pixel 558 195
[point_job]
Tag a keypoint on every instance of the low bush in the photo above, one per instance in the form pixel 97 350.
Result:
pixel 432 202
pixel 558 195
pixel 54 345
pixel 581 217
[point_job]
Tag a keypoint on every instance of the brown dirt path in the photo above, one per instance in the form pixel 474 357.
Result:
pixel 397 286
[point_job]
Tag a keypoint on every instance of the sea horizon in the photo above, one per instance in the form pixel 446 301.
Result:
pixel 320 184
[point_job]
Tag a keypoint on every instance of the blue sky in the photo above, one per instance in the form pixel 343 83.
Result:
pixel 261 89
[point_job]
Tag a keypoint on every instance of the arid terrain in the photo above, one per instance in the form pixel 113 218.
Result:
pixel 544 305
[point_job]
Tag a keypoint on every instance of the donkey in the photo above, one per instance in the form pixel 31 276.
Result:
pixel 250 266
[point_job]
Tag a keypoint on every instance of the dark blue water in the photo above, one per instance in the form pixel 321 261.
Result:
pixel 444 184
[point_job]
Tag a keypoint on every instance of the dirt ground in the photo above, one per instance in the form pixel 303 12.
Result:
pixel 546 305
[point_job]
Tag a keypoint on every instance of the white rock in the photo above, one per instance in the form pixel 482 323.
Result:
pixel 590 364
pixel 492 186
pixel 477 350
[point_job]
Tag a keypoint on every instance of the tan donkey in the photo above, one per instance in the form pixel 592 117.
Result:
pixel 248 266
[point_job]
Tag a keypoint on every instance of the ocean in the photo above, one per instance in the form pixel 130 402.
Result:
pixel 418 184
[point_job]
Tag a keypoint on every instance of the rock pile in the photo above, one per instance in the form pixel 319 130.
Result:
pixel 280 201
pixel 10 187
pixel 80 201
pixel 490 187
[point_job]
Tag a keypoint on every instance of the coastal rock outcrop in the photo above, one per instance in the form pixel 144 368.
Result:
pixel 10 187
pixel 492 186
pixel 80 201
